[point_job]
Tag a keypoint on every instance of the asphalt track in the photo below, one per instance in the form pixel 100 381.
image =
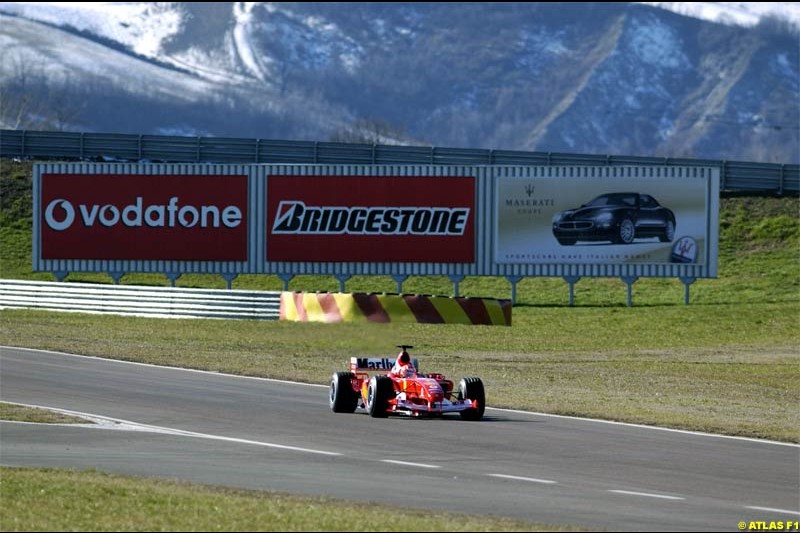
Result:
pixel 265 434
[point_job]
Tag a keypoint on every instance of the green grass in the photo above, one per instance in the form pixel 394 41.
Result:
pixel 727 363
pixel 59 500
pixel 21 413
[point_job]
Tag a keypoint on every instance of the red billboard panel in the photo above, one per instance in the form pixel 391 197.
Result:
pixel 143 217
pixel 416 219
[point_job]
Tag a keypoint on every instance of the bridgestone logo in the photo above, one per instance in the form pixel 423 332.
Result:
pixel 137 214
pixel 297 218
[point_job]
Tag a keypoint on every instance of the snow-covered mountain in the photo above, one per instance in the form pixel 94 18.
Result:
pixel 716 80
pixel 747 14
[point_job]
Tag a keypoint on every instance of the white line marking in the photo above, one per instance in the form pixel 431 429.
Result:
pixel 642 426
pixel 105 422
pixel 151 365
pixel 520 478
pixel 516 411
pixel 646 494
pixel 771 510
pixel 404 463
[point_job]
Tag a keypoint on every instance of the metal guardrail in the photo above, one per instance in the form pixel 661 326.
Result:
pixel 157 302
pixel 735 176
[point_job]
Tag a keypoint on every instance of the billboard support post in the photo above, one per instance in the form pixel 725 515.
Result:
pixel 514 280
pixel 399 279
pixel 116 275
pixel 572 280
pixel 342 280
pixel 286 278
pixel 60 275
pixel 629 281
pixel 229 277
pixel 172 277
pixel 456 279
pixel 687 281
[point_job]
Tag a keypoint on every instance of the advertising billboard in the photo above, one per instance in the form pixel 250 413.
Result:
pixel 602 220
pixel 143 217
pixel 329 218
pixel 397 220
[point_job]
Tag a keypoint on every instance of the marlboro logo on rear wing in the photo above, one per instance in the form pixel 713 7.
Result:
pixel 371 364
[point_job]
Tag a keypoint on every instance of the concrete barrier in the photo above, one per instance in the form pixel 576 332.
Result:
pixel 404 308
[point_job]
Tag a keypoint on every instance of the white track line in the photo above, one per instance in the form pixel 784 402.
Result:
pixel 646 494
pixel 404 463
pixel 642 426
pixel 771 510
pixel 528 479
pixel 517 411
pixel 151 365
pixel 105 422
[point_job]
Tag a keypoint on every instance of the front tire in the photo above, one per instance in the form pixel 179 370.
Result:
pixel 343 399
pixel 379 391
pixel 626 232
pixel 472 389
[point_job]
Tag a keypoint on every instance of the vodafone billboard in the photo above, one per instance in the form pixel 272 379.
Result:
pixel 143 217
pixel 416 219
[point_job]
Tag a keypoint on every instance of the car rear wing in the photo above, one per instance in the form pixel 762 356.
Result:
pixel 375 364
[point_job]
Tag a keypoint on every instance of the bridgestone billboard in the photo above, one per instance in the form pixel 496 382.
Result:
pixel 394 220
pixel 371 219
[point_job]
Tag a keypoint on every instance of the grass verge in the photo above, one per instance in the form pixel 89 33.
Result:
pixel 59 500
pixel 22 413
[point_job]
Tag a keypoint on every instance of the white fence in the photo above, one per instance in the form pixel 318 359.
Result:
pixel 161 302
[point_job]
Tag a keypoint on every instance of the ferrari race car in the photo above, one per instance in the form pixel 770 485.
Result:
pixel 372 385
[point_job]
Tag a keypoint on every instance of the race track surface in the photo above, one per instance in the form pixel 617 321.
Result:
pixel 264 434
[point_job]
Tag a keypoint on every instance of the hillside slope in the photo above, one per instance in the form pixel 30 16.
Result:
pixel 591 78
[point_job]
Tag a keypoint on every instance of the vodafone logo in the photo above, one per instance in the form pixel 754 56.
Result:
pixel 66 207
pixel 61 214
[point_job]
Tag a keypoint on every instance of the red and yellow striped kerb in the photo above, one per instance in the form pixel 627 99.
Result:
pixel 408 308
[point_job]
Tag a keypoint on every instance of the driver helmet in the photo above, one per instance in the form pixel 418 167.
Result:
pixel 403 367
pixel 403 358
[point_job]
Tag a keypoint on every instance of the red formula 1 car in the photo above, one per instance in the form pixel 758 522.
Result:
pixel 382 387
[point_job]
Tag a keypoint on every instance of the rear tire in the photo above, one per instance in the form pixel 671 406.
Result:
pixel 472 389
pixel 343 398
pixel 669 232
pixel 379 391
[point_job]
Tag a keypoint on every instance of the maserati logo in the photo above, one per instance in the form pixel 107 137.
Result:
pixel 684 251
pixel 526 205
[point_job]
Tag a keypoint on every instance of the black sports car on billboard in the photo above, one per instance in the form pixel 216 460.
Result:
pixel 619 217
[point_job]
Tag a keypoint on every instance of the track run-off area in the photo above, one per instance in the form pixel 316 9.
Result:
pixel 259 433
